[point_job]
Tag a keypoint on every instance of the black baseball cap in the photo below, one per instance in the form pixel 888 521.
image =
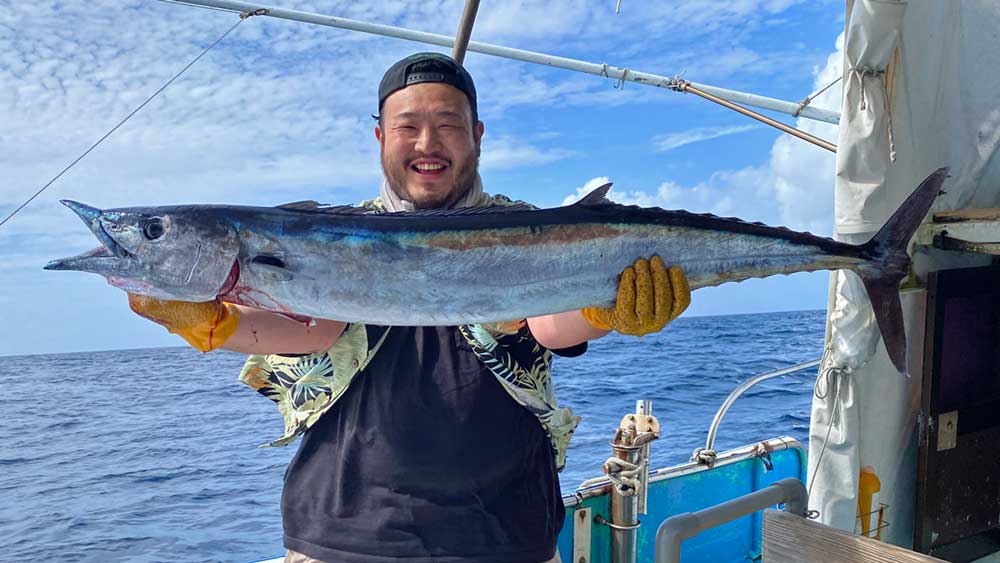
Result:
pixel 427 67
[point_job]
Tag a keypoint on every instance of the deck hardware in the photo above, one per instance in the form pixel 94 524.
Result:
pixel 626 469
pixel 765 458
pixel 707 454
pixel 947 431
pixel 581 535
pixel 761 451
pixel 604 522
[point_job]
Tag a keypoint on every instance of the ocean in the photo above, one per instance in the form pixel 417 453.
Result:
pixel 151 455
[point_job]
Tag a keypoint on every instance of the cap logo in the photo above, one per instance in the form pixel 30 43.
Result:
pixel 424 77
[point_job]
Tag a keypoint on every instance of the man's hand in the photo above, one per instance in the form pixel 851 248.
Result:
pixel 649 297
pixel 206 326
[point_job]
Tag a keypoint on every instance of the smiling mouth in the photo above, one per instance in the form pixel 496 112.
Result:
pixel 429 168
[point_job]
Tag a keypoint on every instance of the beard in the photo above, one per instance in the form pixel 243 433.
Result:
pixel 465 177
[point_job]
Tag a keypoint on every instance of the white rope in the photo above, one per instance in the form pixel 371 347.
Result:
pixel 704 457
pixel 624 475
pixel 860 74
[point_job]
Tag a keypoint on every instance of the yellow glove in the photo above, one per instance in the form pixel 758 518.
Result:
pixel 649 297
pixel 206 326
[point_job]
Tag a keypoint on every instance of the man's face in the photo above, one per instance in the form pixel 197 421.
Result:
pixel 430 147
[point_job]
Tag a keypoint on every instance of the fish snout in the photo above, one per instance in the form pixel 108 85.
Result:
pixel 91 216
pixel 87 214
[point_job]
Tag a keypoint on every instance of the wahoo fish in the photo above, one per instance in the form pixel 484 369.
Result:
pixel 469 265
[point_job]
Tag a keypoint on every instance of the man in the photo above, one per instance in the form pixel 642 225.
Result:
pixel 422 444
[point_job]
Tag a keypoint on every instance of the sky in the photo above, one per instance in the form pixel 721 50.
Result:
pixel 281 111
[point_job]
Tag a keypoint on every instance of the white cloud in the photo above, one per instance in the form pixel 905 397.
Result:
pixel 510 152
pixel 558 21
pixel 671 141
pixel 725 193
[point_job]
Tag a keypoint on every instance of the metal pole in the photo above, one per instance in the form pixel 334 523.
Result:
pixel 613 72
pixel 717 421
pixel 624 513
pixel 465 30
pixel 676 529
pixel 644 407
pixel 687 87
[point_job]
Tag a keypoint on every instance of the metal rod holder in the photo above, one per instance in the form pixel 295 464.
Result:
pixel 624 513
pixel 630 478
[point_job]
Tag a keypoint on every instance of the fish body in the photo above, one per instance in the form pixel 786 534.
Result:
pixel 449 267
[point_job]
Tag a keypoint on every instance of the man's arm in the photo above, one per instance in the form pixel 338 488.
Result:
pixel 264 332
pixel 212 324
pixel 563 330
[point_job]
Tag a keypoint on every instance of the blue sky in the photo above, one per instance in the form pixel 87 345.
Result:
pixel 280 112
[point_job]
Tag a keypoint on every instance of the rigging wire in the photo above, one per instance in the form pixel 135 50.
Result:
pixel 808 99
pixel 243 16
pixel 685 86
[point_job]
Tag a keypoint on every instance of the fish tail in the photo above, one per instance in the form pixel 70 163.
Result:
pixel 889 263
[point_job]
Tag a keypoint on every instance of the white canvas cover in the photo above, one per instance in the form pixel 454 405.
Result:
pixel 921 90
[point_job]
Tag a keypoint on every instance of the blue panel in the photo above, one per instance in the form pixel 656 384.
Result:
pixel 737 541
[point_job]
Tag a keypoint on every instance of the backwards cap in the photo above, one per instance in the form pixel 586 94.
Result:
pixel 427 67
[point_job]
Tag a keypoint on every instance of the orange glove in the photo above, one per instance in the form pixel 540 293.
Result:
pixel 649 297
pixel 206 326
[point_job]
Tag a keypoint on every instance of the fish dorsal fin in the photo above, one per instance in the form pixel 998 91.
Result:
pixel 488 210
pixel 316 207
pixel 461 211
pixel 597 197
pixel 304 205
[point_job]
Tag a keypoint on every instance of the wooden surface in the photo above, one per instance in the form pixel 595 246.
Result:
pixel 959 215
pixel 793 539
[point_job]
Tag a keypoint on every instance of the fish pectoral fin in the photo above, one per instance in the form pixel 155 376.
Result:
pixel 270 267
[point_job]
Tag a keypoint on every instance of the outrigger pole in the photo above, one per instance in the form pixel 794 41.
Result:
pixel 465 30
pixel 608 71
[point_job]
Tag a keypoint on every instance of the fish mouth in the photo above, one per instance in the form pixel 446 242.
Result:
pixel 98 260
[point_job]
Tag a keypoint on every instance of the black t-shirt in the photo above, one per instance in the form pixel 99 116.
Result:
pixel 425 458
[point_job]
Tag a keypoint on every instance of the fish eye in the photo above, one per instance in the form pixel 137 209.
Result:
pixel 153 229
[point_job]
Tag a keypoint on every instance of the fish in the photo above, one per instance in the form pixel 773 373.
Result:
pixel 468 265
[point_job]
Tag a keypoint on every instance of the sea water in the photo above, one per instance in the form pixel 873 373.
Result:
pixel 151 455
